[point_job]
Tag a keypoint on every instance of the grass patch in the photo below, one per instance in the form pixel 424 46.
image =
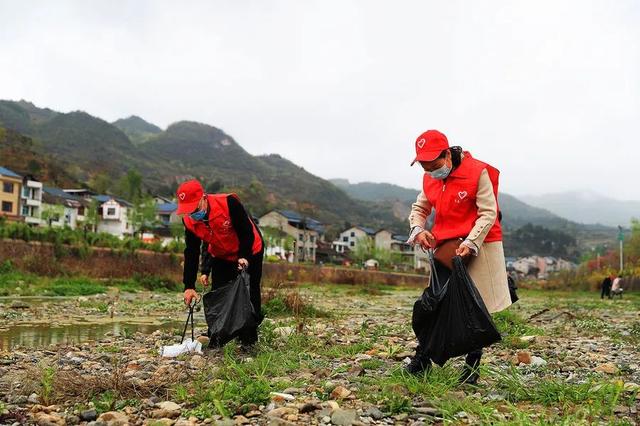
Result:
pixel 282 302
pixel 74 287
pixel 589 398
pixel 24 284
pixel 512 327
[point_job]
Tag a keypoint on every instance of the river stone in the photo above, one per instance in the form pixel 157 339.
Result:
pixel 309 407
pixel 163 422
pixel 343 417
pixel 44 419
pixel 72 420
pixel 88 415
pixel 608 368
pixel 280 396
pixel 524 357
pixel 536 361
pixel 340 392
pixel 241 420
pixel 168 411
pixel 281 411
pixel 114 418
pixel 374 412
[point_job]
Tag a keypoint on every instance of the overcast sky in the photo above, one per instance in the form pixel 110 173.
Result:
pixel 547 91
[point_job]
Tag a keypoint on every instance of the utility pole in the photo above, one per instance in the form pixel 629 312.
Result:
pixel 621 239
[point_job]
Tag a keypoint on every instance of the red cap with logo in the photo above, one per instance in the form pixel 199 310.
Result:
pixel 189 194
pixel 430 145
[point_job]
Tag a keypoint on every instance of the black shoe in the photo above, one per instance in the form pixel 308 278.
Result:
pixel 469 376
pixel 418 365
pixel 470 370
pixel 249 349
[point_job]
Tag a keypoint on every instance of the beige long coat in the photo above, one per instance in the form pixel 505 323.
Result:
pixel 487 269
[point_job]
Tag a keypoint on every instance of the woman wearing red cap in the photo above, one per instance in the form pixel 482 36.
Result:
pixel 220 223
pixel 463 192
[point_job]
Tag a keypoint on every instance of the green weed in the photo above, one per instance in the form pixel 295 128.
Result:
pixel 47 379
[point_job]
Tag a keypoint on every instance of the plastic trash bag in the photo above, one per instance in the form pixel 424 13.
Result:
pixel 186 346
pixel 439 277
pixel 461 322
pixel 228 310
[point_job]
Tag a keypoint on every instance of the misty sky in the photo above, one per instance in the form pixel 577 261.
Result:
pixel 547 91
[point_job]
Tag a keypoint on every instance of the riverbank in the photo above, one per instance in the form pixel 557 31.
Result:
pixel 565 358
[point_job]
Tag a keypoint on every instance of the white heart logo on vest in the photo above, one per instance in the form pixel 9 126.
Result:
pixel 182 195
pixel 421 143
pixel 462 194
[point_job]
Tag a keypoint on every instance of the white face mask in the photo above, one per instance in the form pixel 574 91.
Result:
pixel 440 173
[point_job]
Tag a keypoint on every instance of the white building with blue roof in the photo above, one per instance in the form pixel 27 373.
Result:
pixel 349 238
pixel 113 215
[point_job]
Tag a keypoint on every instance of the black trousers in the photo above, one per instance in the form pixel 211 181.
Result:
pixel 223 271
pixel 606 290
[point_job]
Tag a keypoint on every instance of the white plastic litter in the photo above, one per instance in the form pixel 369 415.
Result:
pixel 187 346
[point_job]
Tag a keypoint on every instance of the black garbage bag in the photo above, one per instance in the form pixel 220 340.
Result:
pixel 461 323
pixel 228 311
pixel 438 283
pixel 426 306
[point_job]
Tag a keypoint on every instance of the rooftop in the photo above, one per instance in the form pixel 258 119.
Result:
pixel 9 173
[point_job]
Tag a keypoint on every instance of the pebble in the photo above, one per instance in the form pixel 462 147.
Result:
pixel 278 396
pixel 607 368
pixel 340 392
pixel 281 411
pixel 429 411
pixel 524 357
pixel 342 417
pixel 374 412
pixel 309 407
pixel 44 419
pixel 241 420
pixel 537 361
pixel 163 422
pixel 88 415
pixel 114 418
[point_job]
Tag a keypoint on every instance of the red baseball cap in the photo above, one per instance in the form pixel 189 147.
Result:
pixel 189 194
pixel 430 145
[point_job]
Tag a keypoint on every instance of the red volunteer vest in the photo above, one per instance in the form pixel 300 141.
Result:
pixel 454 200
pixel 218 232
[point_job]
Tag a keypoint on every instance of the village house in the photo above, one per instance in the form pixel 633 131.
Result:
pixel 62 209
pixel 348 239
pixel 165 217
pixel 305 231
pixel 539 266
pixel 31 200
pixel 397 245
pixel 10 190
pixel 113 215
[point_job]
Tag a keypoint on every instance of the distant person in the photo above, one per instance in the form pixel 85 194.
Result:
pixel 232 239
pixel 463 192
pixel 606 286
pixel 616 287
